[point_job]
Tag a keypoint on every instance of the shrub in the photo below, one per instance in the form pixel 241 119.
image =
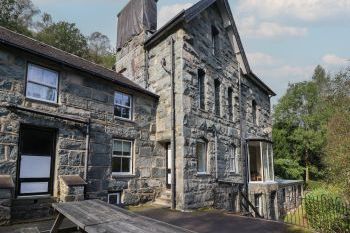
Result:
pixel 326 212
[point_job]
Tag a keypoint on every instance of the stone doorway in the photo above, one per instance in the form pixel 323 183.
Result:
pixel 168 168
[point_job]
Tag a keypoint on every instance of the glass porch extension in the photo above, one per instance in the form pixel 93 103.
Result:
pixel 260 161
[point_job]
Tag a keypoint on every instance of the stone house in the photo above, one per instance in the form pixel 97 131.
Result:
pixel 183 121
pixel 214 114
pixel 62 116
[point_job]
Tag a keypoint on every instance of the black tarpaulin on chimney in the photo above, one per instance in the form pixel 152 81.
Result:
pixel 137 16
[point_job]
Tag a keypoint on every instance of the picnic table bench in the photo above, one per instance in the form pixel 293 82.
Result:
pixel 96 216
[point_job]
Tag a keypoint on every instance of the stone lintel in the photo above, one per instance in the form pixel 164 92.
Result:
pixel 73 180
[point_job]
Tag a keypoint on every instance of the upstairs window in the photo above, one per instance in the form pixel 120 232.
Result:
pixel 230 103
pixel 254 112
pixel 122 105
pixel 201 152
pixel 42 84
pixel 201 96
pixel 217 97
pixel 122 157
pixel 215 40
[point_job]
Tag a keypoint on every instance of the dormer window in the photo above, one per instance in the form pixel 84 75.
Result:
pixel 215 40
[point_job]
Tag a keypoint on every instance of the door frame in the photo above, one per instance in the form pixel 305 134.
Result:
pixel 50 180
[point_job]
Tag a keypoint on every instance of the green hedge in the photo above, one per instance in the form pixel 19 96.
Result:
pixel 326 212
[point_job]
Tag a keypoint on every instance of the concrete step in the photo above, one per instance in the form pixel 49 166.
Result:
pixel 163 202
pixel 164 199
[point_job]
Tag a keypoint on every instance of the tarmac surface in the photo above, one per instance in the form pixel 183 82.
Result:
pixel 209 221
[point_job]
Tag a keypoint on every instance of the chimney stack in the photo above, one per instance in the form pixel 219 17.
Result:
pixel 138 16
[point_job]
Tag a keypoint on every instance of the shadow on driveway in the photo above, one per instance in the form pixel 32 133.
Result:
pixel 212 221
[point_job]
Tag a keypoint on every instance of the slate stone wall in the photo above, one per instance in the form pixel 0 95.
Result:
pixel 193 51
pixel 204 190
pixel 132 59
pixel 5 206
pixel 82 95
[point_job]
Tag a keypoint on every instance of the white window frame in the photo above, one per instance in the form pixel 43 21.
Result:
pixel 131 157
pixel 233 158
pixel 124 106
pixel 118 194
pixel 55 87
pixel 205 154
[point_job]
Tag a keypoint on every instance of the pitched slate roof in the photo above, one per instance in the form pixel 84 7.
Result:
pixel 185 16
pixel 13 39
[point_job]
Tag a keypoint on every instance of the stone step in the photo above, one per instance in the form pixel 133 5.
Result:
pixel 165 195
pixel 163 202
pixel 164 199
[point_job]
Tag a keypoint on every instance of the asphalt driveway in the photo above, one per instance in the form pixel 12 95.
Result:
pixel 210 221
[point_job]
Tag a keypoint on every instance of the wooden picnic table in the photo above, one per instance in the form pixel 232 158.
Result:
pixel 96 216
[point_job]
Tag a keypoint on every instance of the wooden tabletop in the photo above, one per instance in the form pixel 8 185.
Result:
pixel 95 216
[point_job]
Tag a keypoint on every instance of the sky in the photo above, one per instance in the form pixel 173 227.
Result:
pixel 284 39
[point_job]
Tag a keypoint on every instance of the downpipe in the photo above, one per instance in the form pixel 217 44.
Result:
pixel 173 130
pixel 173 119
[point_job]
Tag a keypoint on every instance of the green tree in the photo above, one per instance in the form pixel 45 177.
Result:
pixel 337 157
pixel 65 36
pixel 17 15
pixel 299 126
pixel 100 50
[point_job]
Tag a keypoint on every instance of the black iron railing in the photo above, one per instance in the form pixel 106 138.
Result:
pixel 320 213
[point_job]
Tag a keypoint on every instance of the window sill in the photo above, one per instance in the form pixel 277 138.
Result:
pixel 202 174
pixel 235 174
pixel 125 176
pixel 44 196
pixel 124 119
pixel 27 99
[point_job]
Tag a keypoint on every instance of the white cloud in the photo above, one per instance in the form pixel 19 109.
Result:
pixel 278 78
pixel 306 10
pixel 169 11
pixel 251 28
pixel 331 59
pixel 261 59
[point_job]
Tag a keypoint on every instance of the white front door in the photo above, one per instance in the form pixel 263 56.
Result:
pixel 168 166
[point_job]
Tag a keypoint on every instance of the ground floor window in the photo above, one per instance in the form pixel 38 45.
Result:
pixel 122 157
pixel 260 161
pixel 233 159
pixel 114 198
pixel 201 152
pixel 36 150
pixel 258 203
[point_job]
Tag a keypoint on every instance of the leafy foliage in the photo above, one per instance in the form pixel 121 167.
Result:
pixel 298 131
pixel 337 158
pixel 312 130
pixel 65 36
pixel 18 15
pixel 326 212
pixel 289 169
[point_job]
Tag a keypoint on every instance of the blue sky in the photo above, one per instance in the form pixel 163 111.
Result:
pixel 284 39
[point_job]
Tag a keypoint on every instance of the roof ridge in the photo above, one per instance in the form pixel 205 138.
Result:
pixel 68 53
